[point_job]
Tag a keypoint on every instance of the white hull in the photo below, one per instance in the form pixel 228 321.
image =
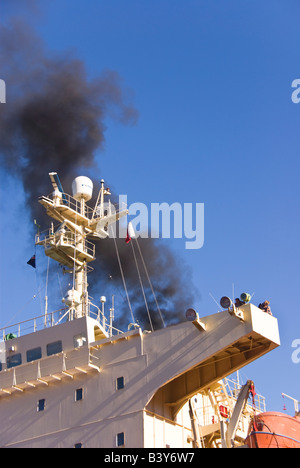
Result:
pixel 161 371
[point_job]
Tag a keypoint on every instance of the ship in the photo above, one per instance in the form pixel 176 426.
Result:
pixel 72 379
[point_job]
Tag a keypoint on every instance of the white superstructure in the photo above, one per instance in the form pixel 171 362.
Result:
pixel 79 382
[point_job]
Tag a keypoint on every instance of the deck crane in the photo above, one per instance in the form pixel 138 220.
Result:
pixel 228 440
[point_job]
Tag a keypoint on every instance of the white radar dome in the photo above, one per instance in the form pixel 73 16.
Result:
pixel 82 187
pixel 72 298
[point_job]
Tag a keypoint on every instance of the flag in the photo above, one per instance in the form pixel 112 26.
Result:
pixel 31 262
pixel 128 238
pixel 38 226
pixel 130 233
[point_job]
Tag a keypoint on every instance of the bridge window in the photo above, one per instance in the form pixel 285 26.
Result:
pixel 34 354
pixel 54 348
pixel 14 360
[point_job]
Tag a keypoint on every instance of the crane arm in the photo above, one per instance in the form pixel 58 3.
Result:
pixel 238 409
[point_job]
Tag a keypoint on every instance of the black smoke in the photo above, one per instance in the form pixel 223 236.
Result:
pixel 54 120
pixel 54 116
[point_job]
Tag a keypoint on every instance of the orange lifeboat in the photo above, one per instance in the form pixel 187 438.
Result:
pixel 274 430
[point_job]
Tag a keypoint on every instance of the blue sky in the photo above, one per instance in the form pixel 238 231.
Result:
pixel 211 81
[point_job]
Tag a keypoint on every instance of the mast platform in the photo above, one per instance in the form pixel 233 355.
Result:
pixel 63 247
pixel 67 209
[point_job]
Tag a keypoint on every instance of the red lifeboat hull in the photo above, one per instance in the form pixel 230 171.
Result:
pixel 274 430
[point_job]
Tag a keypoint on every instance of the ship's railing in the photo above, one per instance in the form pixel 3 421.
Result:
pixel 225 397
pixel 95 312
pixel 51 319
pixel 106 209
pixel 233 388
pixel 30 325
pixel 50 368
pixel 61 237
pixel 75 205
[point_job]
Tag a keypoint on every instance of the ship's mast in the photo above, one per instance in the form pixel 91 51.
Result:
pixel 81 273
pixel 68 245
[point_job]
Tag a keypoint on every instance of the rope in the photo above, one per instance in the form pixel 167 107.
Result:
pixel 123 279
pixel 253 393
pixel 37 282
pixel 96 205
pixel 148 277
pixel 23 307
pixel 75 243
pixel 47 277
pixel 141 283
pixel 46 292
